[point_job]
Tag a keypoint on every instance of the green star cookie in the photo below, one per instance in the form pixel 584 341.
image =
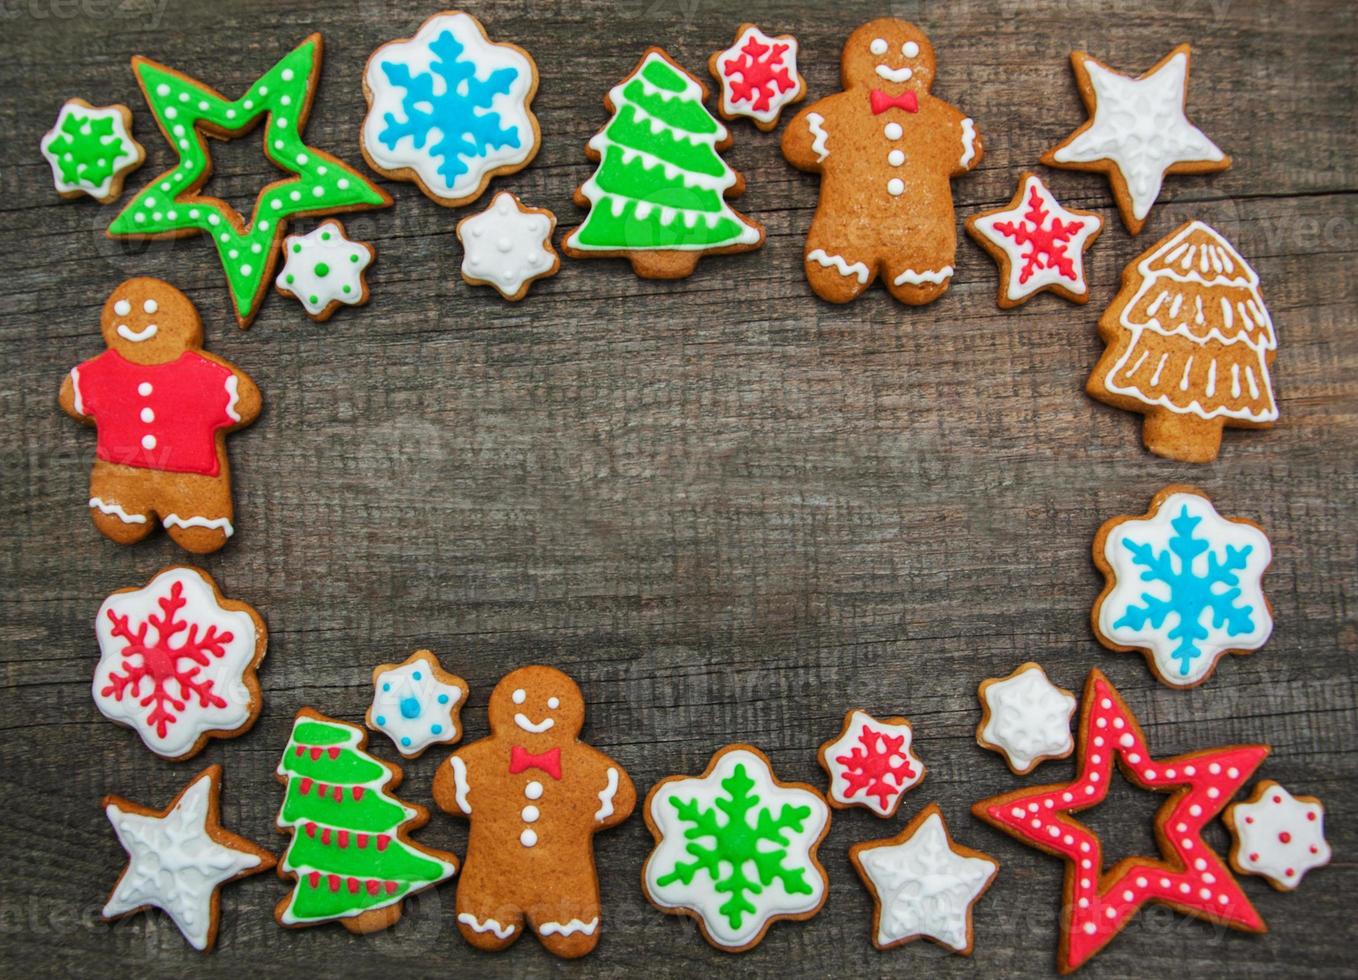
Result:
pixel 188 112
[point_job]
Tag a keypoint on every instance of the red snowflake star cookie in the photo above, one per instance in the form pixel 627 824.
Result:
pixel 870 763
pixel 1188 876
pixel 1039 244
pixel 758 76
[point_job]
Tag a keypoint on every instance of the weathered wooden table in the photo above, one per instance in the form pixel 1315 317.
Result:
pixel 730 510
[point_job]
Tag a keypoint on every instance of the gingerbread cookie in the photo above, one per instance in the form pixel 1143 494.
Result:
pixel 449 109
pixel 179 857
pixel 350 853
pixel 162 407
pixel 735 848
pixel 190 112
pixel 923 884
pixel 417 703
pixel 323 270
pixel 870 763
pixel 535 796
pixel 659 196
pixel 1026 718
pixel 1137 132
pixel 886 150
pixel 1183 586
pixel 91 150
pixel 178 662
pixel 508 246
pixel 1187 876
pixel 1038 244
pixel 1190 345
pixel 1277 835
pixel 758 76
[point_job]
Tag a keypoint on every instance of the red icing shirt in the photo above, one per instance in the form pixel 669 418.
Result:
pixel 157 416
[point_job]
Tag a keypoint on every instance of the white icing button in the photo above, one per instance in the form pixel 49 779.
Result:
pixel 533 790
pixel 878 45
pixel 122 307
pixel 893 131
pixel 150 306
pixel 520 695
pixel 910 49
pixel 553 703
pixel 895 158
pixel 530 814
pixel 144 388
pixel 528 838
pixel 148 416
pixel 148 442
pixel 895 187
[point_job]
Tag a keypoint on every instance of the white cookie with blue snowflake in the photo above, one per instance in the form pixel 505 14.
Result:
pixel 449 109
pixel 323 270
pixel 417 703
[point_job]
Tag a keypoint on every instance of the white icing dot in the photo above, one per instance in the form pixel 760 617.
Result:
pixel 281 123
pixel 1141 882
pixel 893 131
pixel 1213 792
pixel 1214 769
pixel 288 74
pixel 245 270
pixel 519 696
pixel 533 790
pixel 318 192
pixel 144 388
pixel 342 183
pixel 1128 895
pixel 150 306
pixel 162 89
pixel 1089 928
pixel 895 187
pixel 530 814
pixel 1233 772
pixel 528 838
pixel 910 49
pixel 148 441
pixel 553 703
pixel 1126 741
pixel 878 46
pixel 1106 703
pixel 148 416
pixel 122 307
pixel 302 158
pixel 1195 810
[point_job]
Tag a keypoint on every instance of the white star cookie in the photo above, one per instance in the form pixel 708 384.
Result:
pixel 179 857
pixel 417 703
pixel 508 246
pixel 924 884
pixel 323 270
pixel 1026 718
pixel 1138 132
pixel 1277 835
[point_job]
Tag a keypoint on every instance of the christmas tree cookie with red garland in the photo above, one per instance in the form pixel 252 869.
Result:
pixel 871 763
pixel 758 76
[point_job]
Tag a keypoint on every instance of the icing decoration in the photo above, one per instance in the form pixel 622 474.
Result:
pixel 91 150
pixel 449 109
pixel 1026 718
pixel 1278 835
pixel 1137 132
pixel 508 246
pixel 815 122
pixel 1190 343
pixel 1184 586
pixel 489 925
pixel 187 112
pixel 105 507
pixel 606 796
pixel 349 852
pixel 417 703
pixel 177 662
pixel 736 848
pixel 880 101
pixel 1039 244
pixel 178 858
pixel 323 270
pixel 924 885
pixel 1189 876
pixel 758 76
pixel 569 928
pixel 549 762
pixel 968 143
pixel 858 270
pixel 913 278
pixel 871 763
pixel 661 184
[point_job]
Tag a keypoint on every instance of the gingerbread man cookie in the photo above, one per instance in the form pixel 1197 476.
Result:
pixel 886 151
pixel 162 407
pixel 535 795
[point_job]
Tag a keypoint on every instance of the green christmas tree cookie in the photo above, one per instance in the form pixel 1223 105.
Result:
pixel 659 195
pixel 349 851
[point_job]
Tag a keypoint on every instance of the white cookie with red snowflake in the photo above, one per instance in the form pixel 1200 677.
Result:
pixel 1277 835
pixel 871 763
pixel 758 76
pixel 177 662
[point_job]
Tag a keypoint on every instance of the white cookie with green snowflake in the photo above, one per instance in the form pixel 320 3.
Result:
pixel 91 150
pixel 323 270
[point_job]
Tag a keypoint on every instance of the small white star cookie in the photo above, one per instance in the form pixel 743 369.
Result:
pixel 417 703
pixel 323 270
pixel 508 246
pixel 1277 835
pixel 1026 718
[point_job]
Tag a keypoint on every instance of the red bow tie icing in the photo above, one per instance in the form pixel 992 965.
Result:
pixel 881 102
pixel 549 761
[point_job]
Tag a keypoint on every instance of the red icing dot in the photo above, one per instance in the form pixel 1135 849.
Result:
pixel 1314 849
pixel 334 882
pixel 353 885
pixel 357 792
pixel 316 752
pixel 1277 799
pixel 304 787
pixel 391 887
pixel 339 794
pixel 314 878
pixel 1254 855
pixel 1311 816
pixel 1289 872
pixel 333 752
pixel 373 887
pixel 1249 820
pixel 1285 837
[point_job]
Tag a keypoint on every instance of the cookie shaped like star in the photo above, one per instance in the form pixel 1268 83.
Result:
pixel 417 703
pixel 871 763
pixel 924 883
pixel 758 76
pixel 91 150
pixel 1026 718
pixel 178 858
pixel 1277 835
pixel 188 112
pixel 323 270
pixel 1137 133
pixel 508 246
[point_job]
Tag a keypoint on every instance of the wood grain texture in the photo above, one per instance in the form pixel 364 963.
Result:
pixel 729 510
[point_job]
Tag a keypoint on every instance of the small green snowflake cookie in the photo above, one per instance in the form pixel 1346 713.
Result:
pixel 91 150
pixel 736 848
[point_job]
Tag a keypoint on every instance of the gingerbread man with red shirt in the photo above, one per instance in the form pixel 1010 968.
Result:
pixel 886 151
pixel 535 796
pixel 162 408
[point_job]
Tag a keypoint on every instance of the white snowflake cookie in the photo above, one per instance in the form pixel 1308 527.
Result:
pixel 323 270
pixel 923 883
pixel 871 763
pixel 417 703
pixel 449 109
pixel 177 662
pixel 1026 718
pixel 91 150
pixel 508 246
pixel 1277 835
pixel 736 848
pixel 758 76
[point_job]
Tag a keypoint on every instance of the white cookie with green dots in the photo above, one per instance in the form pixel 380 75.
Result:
pixel 323 270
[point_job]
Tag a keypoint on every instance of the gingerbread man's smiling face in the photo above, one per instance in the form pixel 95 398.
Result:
pixel 148 321
pixel 537 703
pixel 888 54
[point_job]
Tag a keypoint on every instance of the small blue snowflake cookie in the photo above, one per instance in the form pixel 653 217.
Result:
pixel 417 703
pixel 1184 586
pixel 449 109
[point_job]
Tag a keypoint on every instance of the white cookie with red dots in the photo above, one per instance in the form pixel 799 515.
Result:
pixel 1277 836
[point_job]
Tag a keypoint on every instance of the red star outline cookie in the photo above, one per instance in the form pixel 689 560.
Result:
pixel 1189 876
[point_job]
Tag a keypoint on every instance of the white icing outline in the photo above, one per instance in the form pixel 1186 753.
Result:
pixel 936 277
pixel 232 397
pixel 213 523
pixel 897 75
pixel 116 509
pixel 537 728
pixel 75 391
pixel 570 928
pixel 137 336
pixel 856 269
pixel 606 797
pixel 490 925
pixel 968 142
pixel 461 787
pixel 816 123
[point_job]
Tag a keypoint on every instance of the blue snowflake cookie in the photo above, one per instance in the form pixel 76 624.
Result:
pixel 449 109
pixel 417 703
